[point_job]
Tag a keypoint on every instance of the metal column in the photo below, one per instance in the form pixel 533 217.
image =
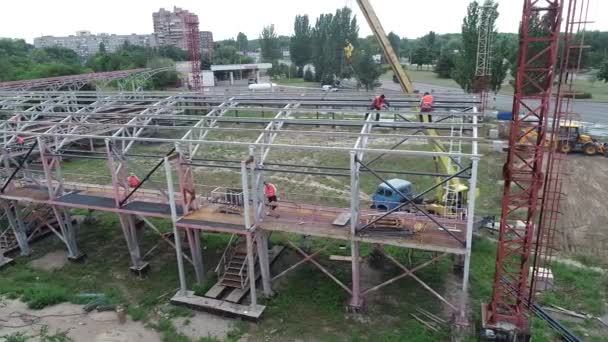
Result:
pixel 194 240
pixel 356 301
pixel 469 240
pixel 129 229
pixel 13 214
pixel 178 240
pixel 250 231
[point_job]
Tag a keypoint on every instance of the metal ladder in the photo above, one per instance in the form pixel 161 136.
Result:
pixel 450 197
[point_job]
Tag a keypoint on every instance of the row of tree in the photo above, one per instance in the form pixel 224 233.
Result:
pixel 19 61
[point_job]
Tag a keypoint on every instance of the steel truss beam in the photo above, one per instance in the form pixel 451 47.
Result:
pixel 74 82
pixel 54 182
pixel 202 128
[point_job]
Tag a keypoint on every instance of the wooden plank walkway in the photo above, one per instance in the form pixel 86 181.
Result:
pixel 250 312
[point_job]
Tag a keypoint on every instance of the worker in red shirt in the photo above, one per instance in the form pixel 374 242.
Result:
pixel 270 192
pixel 19 140
pixel 133 181
pixel 378 103
pixel 426 103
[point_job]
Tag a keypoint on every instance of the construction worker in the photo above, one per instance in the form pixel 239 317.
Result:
pixel 19 140
pixel 426 103
pixel 133 181
pixel 270 192
pixel 348 52
pixel 378 104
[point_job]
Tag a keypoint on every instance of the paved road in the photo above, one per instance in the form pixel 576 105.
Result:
pixel 594 114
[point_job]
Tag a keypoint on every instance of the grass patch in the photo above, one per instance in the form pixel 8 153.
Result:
pixel 575 289
pixel 168 332
pixel 137 313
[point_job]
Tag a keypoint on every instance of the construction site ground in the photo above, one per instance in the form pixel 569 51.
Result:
pixel 308 306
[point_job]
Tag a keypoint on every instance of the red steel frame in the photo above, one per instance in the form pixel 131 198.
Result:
pixel 523 170
pixel 573 39
pixel 192 37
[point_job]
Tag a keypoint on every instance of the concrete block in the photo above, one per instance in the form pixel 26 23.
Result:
pixel 544 279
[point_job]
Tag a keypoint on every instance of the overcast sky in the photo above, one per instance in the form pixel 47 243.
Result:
pixel 225 18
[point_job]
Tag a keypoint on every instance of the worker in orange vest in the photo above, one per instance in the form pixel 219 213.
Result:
pixel 378 103
pixel 426 103
pixel 270 192
pixel 133 181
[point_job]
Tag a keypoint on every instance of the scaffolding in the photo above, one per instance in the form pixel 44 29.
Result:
pixel 120 120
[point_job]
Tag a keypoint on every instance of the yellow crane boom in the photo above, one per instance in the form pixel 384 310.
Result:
pixel 389 53
pixel 405 83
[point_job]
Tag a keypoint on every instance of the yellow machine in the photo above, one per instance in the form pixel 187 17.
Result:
pixel 570 139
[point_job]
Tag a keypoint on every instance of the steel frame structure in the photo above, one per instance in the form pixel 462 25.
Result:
pixel 73 82
pixel 523 170
pixel 127 120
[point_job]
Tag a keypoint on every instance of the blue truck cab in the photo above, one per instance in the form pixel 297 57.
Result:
pixel 386 199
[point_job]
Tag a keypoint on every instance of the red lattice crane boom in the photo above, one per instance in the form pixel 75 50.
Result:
pixel 523 170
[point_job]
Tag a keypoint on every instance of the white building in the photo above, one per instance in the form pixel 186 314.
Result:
pixel 86 44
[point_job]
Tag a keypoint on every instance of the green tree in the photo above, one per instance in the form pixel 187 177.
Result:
pixel 368 72
pixel 445 65
pixel 464 72
pixel 102 47
pixel 163 79
pixel 329 37
pixel 309 76
pixel 172 52
pixel 421 56
pixel 504 49
pixel 602 74
pixel 395 41
pixel 242 42
pixel 300 46
pixel 269 42
pixel 228 54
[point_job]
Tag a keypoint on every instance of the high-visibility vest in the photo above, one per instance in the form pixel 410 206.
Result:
pixel 378 101
pixel 427 101
pixel 270 190
pixel 133 181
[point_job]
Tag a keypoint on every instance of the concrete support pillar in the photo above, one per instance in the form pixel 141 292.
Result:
pixel 15 220
pixel 231 78
pixel 257 76
pixel 129 229
pixel 262 244
pixel 194 240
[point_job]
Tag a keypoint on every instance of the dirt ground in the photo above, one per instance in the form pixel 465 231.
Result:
pixel 100 326
pixel 583 227
pixel 51 261
pixel 96 326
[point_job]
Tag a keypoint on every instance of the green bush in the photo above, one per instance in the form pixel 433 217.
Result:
pixel 39 298
pixel 309 76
